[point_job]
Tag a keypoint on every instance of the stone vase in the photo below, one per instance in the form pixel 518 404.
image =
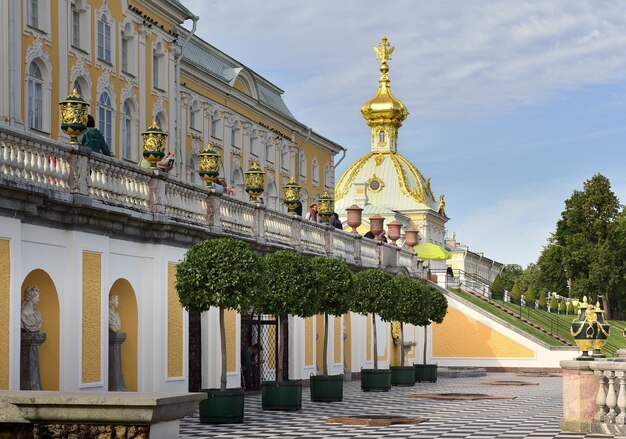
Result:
pixel 116 378
pixel 376 225
pixel 30 378
pixel 394 231
pixel 354 217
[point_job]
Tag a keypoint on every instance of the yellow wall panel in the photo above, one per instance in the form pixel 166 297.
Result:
pixel 92 318
pixel 347 346
pixel 308 341
pixel 319 320
pixel 337 343
pixel 230 327
pixel 462 336
pixel 174 326
pixel 368 337
pixel 5 309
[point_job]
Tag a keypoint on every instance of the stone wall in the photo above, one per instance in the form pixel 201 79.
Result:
pixel 81 431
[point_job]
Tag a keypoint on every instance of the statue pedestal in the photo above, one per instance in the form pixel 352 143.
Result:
pixel 116 379
pixel 29 360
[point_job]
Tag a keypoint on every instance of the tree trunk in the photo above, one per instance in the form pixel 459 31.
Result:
pixel 223 349
pixel 401 344
pixel 425 341
pixel 325 356
pixel 607 307
pixel 375 342
pixel 279 333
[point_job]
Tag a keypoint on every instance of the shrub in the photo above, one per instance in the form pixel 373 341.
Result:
pixel 530 297
pixel 497 288
pixel 562 307
pixel 515 293
pixel 554 305
pixel 570 307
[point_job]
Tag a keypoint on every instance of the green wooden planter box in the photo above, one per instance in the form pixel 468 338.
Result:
pixel 425 372
pixel 281 395
pixel 375 380
pixel 222 406
pixel 402 375
pixel 497 296
pixel 326 388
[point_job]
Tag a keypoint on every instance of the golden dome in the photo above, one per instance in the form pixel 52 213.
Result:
pixel 384 108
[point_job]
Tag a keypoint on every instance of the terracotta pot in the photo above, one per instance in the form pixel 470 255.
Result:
pixel 394 231
pixel 354 217
pixel 376 224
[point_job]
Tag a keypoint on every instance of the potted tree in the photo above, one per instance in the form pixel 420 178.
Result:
pixel 411 305
pixel 221 273
pixel 333 279
pixel 289 289
pixel 515 296
pixel 372 293
pixel 437 311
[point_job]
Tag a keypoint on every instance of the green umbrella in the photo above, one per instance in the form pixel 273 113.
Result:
pixel 432 251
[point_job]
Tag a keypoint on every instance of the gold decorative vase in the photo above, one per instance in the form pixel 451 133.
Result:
pixel 154 143
pixel 209 165
pixel 604 329
pixel 255 182
pixel 74 116
pixel 291 195
pixel 326 207
pixel 584 329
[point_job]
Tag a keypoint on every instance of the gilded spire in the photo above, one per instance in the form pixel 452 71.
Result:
pixel 384 113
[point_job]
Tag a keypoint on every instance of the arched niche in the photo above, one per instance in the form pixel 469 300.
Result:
pixel 48 306
pixel 129 319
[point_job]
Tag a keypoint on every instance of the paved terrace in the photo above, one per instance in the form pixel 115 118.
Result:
pixel 534 412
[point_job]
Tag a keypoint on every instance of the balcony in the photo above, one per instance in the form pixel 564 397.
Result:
pixel 49 183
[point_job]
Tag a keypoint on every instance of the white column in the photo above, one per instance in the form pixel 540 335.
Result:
pixel 61 40
pixel 5 68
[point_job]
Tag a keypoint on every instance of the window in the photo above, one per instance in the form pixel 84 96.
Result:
pixel 104 40
pixel 302 166
pixel 381 136
pixel 105 118
pixel 75 27
pixel 269 151
pixel 284 158
pixel 124 54
pixel 126 131
pixel 315 171
pixel 78 88
pixel 327 182
pixel 161 121
pixel 216 127
pixel 128 51
pixel 33 13
pixel 254 145
pixel 35 97
pixel 235 133
pixel 159 74
pixel 194 117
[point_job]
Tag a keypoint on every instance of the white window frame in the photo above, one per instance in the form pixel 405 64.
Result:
pixel 327 177
pixel 104 34
pixel 254 144
pixel 37 16
pixel 315 171
pixel 128 39
pixel 103 15
pixel 236 135
pixel 159 67
pixel 80 41
pixel 195 119
pixel 284 157
pixel 302 166
pixel 34 98
pixel 128 131
pixel 217 126
pixel 270 151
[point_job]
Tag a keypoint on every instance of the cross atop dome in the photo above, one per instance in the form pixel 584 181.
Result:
pixel 384 113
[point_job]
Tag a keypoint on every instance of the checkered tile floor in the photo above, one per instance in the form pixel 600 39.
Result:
pixel 534 413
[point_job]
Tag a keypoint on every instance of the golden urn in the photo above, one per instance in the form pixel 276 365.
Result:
pixel 326 207
pixel 603 332
pixel 255 182
pixel 209 165
pixel 74 116
pixel 154 144
pixel 291 195
pixel 585 329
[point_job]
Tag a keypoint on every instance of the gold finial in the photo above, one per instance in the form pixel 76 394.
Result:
pixel 384 50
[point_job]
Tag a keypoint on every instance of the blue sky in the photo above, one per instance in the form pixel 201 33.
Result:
pixel 514 104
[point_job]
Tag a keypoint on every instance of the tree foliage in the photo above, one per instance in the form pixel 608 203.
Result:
pixel 509 274
pixel 563 307
pixel 222 272
pixel 373 291
pixel 551 267
pixel 289 286
pixel 530 296
pixel 554 304
pixel 591 231
pixel 497 286
pixel 411 304
pixel 542 298
pixel 333 280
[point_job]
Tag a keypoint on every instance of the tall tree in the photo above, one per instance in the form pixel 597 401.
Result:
pixel 509 274
pixel 552 271
pixel 590 233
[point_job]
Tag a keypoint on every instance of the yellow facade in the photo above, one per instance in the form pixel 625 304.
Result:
pixel 337 341
pixel 5 309
pixel 460 336
pixel 92 316
pixel 230 329
pixel 129 320
pixel 308 342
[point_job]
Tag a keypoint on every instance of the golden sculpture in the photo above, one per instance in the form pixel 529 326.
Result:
pixel 209 165
pixel 74 116
pixel 291 195
pixel 255 182
pixel 442 206
pixel 326 207
pixel 384 50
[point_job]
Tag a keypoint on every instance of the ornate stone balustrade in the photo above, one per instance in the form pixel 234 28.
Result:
pixel 610 417
pixel 71 185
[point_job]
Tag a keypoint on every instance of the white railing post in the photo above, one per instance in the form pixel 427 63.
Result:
pixel 600 397
pixel 611 397
pixel 296 232
pixel 621 398
pixel 79 175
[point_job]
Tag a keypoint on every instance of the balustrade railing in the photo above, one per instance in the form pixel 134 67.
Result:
pixel 106 183
pixel 610 417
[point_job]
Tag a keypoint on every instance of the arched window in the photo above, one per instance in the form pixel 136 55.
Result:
pixel 269 151
pixel 127 131
pixel 284 157
pixel 159 72
pixel 194 117
pixel 302 166
pixel 105 118
pixel 216 126
pixel 78 87
pixel 35 97
pixel 161 121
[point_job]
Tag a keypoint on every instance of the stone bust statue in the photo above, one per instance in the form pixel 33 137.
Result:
pixel 30 316
pixel 115 323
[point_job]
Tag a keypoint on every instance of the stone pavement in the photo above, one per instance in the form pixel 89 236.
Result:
pixel 533 413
